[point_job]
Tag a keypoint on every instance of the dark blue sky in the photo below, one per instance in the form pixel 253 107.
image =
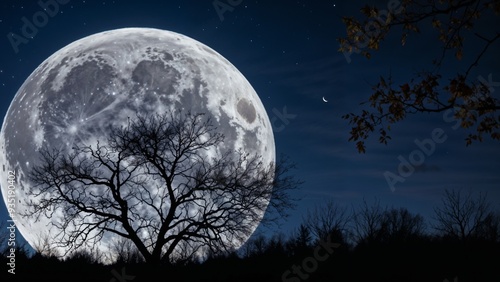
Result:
pixel 288 52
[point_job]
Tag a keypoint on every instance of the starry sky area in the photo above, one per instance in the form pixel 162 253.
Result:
pixel 289 53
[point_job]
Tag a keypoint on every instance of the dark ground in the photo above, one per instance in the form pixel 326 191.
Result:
pixel 417 259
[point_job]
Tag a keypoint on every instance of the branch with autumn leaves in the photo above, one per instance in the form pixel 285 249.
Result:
pixel 427 92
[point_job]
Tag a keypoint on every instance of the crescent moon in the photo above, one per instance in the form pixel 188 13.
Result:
pixel 324 100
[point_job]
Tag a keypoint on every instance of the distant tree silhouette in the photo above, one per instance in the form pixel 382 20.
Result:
pixel 44 247
pixel 186 252
pixel 377 224
pixel 276 245
pixel 299 242
pixel 466 96
pixel 21 250
pixel 368 223
pixel 84 257
pixel 490 227
pixel 205 202
pixel 393 247
pixel 327 220
pixel 256 246
pixel 126 251
pixel 465 217
pixel 401 225
pixel 303 237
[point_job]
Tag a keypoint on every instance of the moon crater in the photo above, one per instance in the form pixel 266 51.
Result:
pixel 247 110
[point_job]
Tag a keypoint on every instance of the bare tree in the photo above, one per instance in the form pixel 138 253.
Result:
pixel 299 242
pixel 276 245
pixel 464 217
pixel 381 224
pixel 329 219
pixel 85 256
pixel 158 182
pixel 45 247
pixel 400 224
pixel 302 237
pixel 368 223
pixel 186 253
pixel 255 246
pixel 126 251
pixel 490 227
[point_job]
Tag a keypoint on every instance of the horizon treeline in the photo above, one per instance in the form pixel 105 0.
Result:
pixel 333 243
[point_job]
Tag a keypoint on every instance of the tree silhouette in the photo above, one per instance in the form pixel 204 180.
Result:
pixel 464 217
pixel 377 224
pixel 45 247
pixel 255 246
pixel 401 225
pixel 368 223
pixel 465 97
pixel 303 237
pixel 299 242
pixel 161 183
pixel 126 251
pixel 328 220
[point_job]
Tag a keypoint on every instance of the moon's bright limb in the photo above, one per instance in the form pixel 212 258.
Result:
pixel 101 80
pixel 324 100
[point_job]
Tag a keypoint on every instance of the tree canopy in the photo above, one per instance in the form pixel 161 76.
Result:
pixel 465 96
pixel 161 183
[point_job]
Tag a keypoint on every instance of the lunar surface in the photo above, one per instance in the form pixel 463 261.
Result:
pixel 100 81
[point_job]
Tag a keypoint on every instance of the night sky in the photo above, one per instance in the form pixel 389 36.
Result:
pixel 288 52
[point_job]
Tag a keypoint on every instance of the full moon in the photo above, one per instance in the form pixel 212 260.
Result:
pixel 100 81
